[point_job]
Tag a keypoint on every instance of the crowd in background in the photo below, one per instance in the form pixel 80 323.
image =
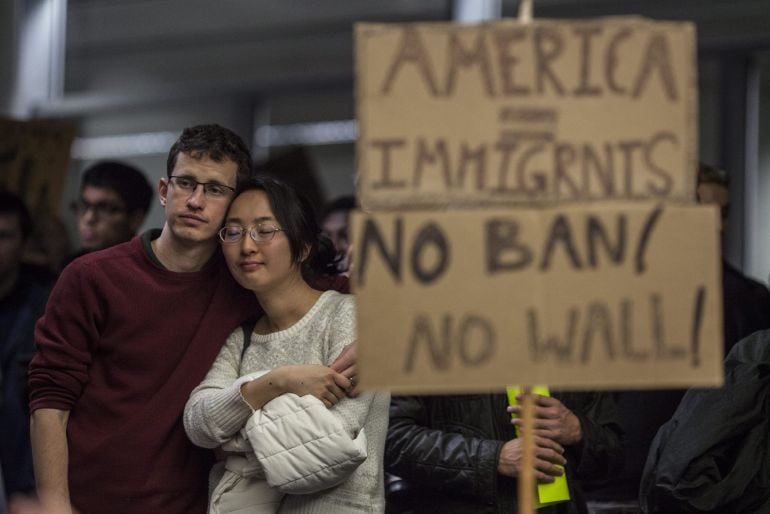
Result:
pixel 239 250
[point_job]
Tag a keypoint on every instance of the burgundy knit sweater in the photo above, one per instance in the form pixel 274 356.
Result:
pixel 121 345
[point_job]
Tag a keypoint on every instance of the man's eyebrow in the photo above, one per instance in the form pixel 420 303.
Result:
pixel 192 177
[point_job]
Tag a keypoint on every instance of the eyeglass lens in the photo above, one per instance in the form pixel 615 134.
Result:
pixel 81 207
pixel 209 188
pixel 259 233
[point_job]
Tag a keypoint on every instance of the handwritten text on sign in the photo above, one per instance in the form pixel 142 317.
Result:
pixel 503 112
pixel 601 296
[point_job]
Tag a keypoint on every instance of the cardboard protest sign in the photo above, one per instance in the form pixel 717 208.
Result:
pixel 34 159
pixel 581 296
pixel 510 113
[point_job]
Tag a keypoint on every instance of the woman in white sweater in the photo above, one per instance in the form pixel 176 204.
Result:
pixel 291 439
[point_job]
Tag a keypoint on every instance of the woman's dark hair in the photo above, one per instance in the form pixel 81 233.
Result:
pixel 296 215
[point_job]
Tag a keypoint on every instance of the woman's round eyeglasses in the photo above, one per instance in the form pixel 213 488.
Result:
pixel 231 234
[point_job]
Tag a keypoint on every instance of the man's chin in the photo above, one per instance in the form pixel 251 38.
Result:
pixel 193 234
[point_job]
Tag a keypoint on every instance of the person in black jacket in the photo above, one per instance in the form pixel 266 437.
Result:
pixel 746 309
pixel 712 455
pixel 461 454
pixel 746 302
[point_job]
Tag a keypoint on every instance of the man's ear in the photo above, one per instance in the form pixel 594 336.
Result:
pixel 163 190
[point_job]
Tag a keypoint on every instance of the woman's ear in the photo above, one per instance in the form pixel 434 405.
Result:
pixel 305 254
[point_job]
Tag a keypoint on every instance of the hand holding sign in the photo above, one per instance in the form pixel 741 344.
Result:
pixel 549 455
pixel 592 271
pixel 552 420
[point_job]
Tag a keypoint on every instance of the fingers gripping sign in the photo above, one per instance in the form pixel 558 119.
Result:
pixel 547 455
pixel 552 420
pixel 545 427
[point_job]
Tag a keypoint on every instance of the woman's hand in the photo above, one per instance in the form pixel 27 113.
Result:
pixel 345 363
pixel 320 381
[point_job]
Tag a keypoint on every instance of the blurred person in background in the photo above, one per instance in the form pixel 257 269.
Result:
pixel 746 309
pixel 335 219
pixel 746 302
pixel 460 453
pixel 23 293
pixel 114 201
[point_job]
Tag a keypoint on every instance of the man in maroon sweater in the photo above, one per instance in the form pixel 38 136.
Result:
pixel 128 332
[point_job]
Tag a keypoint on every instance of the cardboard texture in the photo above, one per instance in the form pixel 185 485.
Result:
pixel 509 113
pixel 34 159
pixel 597 296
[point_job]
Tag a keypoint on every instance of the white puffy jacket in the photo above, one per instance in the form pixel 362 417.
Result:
pixel 291 445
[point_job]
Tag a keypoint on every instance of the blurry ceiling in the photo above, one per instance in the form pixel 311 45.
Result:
pixel 119 50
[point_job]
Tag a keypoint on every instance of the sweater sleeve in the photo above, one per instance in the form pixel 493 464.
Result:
pixel 599 455
pixel 448 460
pixel 352 412
pixel 341 330
pixel 66 338
pixel 216 410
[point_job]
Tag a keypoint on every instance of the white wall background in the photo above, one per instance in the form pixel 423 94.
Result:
pixel 759 255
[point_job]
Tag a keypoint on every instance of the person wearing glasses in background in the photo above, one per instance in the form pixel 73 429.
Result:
pixel 127 334
pixel 292 437
pixel 114 201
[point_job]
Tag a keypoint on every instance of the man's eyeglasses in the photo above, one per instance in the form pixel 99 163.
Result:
pixel 260 233
pixel 100 209
pixel 210 189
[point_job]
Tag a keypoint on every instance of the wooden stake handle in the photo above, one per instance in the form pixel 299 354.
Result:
pixel 525 11
pixel 526 492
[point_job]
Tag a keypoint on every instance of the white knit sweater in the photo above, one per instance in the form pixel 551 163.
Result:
pixel 216 411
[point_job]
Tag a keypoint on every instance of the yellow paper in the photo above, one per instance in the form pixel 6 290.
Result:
pixel 557 491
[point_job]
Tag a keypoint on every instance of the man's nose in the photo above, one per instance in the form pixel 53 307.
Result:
pixel 89 215
pixel 197 197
